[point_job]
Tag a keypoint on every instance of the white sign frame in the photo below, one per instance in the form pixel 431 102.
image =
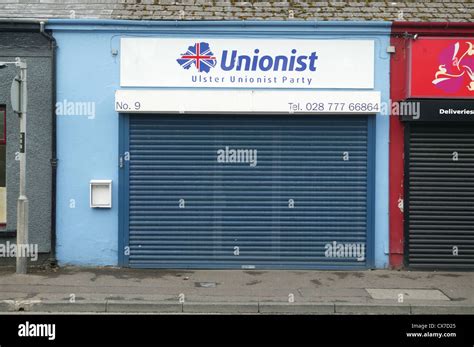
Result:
pixel 340 64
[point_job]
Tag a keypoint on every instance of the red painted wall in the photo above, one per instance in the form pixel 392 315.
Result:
pixel 402 33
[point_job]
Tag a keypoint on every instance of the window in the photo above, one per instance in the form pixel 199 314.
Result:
pixel 3 166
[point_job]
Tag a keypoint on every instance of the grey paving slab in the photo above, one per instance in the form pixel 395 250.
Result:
pixel 144 306
pixel 219 307
pixel 407 294
pixel 296 308
pixel 371 309
pixel 66 306
pixel 442 309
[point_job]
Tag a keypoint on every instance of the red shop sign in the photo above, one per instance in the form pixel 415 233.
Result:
pixel 442 68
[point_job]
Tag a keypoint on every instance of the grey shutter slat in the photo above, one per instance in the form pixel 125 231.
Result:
pixel 235 205
pixel 440 196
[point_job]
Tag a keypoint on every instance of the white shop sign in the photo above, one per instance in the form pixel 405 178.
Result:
pixel 247 63
pixel 245 101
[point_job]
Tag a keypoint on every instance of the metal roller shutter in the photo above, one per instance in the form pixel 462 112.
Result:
pixel 187 210
pixel 440 196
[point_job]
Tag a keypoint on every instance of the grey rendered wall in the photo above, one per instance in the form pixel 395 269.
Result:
pixel 35 49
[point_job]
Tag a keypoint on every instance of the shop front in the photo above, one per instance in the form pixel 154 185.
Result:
pixel 439 176
pixel 263 149
pixel 438 151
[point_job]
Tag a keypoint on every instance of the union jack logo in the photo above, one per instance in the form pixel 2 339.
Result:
pixel 200 55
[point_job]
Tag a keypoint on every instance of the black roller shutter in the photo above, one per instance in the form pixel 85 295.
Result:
pixel 440 196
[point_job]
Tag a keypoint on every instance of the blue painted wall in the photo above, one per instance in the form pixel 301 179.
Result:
pixel 88 71
pixel 87 149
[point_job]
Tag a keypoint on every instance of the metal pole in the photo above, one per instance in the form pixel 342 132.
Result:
pixel 22 217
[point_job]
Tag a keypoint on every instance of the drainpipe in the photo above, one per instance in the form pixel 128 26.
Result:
pixel 54 160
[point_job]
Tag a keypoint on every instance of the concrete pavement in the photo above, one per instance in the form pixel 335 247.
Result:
pixel 115 290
